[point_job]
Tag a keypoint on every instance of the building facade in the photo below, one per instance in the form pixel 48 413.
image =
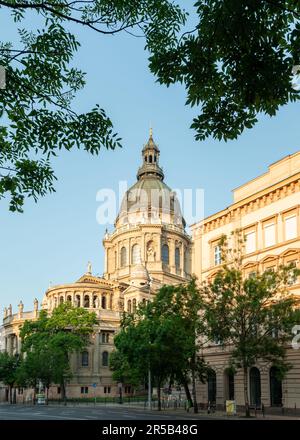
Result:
pixel 267 211
pixel 148 248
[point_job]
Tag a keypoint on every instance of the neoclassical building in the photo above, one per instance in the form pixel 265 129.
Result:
pixel 148 247
pixel 267 211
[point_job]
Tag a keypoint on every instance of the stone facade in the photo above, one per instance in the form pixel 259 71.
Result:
pixel 149 247
pixel 267 210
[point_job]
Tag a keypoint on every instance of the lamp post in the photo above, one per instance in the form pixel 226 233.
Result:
pixel 149 389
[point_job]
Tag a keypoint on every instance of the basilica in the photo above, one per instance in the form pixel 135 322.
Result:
pixel 149 247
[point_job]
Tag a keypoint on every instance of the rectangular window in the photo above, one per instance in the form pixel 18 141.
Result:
pixel 84 390
pixel 105 338
pixel 58 390
pixel 217 255
pixel 270 237
pixel 106 390
pixel 292 278
pixel 250 242
pixel 290 224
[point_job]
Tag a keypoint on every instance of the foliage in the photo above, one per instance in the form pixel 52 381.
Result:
pixel 9 365
pixel 238 62
pixel 162 336
pixel 49 341
pixel 122 371
pixel 39 117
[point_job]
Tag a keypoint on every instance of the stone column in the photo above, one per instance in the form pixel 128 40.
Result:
pixel 172 255
pixel 143 248
pixel 159 248
pixel 182 259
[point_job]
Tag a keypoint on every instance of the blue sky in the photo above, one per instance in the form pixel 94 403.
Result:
pixel 52 241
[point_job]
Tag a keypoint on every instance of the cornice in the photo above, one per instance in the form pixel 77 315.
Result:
pixel 252 203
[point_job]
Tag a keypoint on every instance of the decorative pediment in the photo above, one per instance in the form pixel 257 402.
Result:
pixel 250 265
pixel 269 259
pixel 290 252
pixel 136 289
pixel 91 279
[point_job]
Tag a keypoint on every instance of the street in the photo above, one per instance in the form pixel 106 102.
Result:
pixel 18 412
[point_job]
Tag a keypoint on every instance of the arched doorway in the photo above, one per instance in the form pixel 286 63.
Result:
pixel 228 385
pixel 255 388
pixel 212 386
pixel 275 387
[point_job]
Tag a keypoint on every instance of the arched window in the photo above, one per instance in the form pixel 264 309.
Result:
pixel 105 359
pixel 77 300
pixel 129 306
pixel 177 258
pixel 134 305
pixel 123 257
pixel 135 254
pixel 154 158
pixel 144 301
pixel 110 301
pixel 86 301
pixel 95 301
pixel 61 300
pixel 212 386
pixel 69 299
pixel 255 388
pixel 275 387
pixel 165 254
pixel 103 302
pixel 186 261
pixel 150 158
pixel 85 359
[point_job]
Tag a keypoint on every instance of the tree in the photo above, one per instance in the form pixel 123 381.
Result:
pixel 9 365
pixel 122 372
pixel 252 315
pixel 49 341
pixel 238 62
pixel 39 117
pixel 42 365
pixel 163 337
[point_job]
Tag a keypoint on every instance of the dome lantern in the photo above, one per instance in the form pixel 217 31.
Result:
pixel 150 167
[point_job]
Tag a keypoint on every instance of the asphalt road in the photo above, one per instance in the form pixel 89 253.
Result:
pixel 18 412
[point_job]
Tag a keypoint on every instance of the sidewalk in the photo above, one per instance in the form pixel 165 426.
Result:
pixel 223 415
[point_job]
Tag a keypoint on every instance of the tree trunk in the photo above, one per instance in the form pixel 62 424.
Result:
pixel 34 395
pixel 63 392
pixel 158 395
pixel 194 392
pixel 10 394
pixel 246 398
pixel 47 395
pixel 187 391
